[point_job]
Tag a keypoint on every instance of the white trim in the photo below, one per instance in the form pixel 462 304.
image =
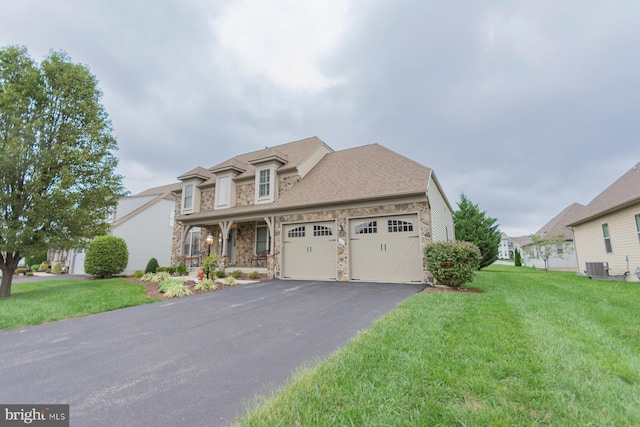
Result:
pixel 223 191
pixel 273 178
pixel 188 209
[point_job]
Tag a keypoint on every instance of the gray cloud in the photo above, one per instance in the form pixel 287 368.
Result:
pixel 525 107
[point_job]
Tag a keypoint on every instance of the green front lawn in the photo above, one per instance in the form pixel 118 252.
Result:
pixel 533 348
pixel 32 303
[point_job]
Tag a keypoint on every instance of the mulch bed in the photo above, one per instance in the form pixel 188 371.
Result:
pixel 153 289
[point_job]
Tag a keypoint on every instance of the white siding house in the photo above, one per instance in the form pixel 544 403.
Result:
pixel 145 221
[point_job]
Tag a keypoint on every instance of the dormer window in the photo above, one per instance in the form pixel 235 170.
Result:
pixel 187 198
pixel 265 184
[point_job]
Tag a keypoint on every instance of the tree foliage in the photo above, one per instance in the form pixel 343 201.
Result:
pixel 473 225
pixel 543 247
pixel 57 167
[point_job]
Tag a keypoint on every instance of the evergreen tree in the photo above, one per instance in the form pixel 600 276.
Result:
pixel 473 225
pixel 518 258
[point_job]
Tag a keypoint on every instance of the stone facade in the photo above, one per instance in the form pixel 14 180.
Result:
pixel 245 194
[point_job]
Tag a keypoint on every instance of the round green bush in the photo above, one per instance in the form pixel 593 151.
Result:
pixel 453 263
pixel 106 256
pixel 152 266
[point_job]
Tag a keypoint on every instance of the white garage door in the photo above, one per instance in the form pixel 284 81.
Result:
pixel 386 249
pixel 309 251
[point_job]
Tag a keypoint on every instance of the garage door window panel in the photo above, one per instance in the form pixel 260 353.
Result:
pixel 297 232
pixel 398 226
pixel 370 227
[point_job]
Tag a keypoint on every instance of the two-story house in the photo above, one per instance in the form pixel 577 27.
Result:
pixel 304 211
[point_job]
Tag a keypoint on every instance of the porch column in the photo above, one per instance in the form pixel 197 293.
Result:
pixel 271 225
pixel 225 227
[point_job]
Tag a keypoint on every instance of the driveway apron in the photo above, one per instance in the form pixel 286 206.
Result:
pixel 192 361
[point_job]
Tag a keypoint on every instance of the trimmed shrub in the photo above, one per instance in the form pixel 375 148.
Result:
pixel 254 275
pixel 152 266
pixel 106 256
pixel 230 281
pixel 453 263
pixel 219 274
pixel 57 268
pixel 20 271
pixel 236 273
pixel 43 267
pixel 138 274
pixel 170 270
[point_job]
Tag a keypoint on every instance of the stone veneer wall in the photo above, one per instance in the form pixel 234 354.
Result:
pixel 285 184
pixel 341 217
pixel 245 194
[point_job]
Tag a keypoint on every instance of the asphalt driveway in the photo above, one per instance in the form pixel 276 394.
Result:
pixel 193 361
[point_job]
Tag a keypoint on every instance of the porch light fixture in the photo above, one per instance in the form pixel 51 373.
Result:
pixel 340 230
pixel 209 241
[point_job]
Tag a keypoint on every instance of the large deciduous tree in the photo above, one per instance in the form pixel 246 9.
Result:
pixel 57 162
pixel 473 225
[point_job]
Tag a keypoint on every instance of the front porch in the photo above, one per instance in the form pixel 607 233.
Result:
pixel 245 245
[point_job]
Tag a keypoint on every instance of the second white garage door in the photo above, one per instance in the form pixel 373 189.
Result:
pixel 309 251
pixel 386 249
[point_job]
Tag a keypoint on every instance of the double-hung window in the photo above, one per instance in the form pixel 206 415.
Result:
pixel 607 237
pixel 187 198
pixel 638 225
pixel 265 183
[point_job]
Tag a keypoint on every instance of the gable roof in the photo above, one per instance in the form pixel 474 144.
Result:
pixel 558 224
pixel 369 172
pixel 291 155
pixel 366 172
pixel 619 195
pixel 198 172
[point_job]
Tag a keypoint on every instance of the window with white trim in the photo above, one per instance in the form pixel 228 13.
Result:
pixel 560 249
pixel 607 238
pixel 223 192
pixel 187 198
pixel 265 183
pixel 191 246
pixel 638 225
pixel 262 239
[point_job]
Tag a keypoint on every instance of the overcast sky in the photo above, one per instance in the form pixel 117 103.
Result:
pixel 525 106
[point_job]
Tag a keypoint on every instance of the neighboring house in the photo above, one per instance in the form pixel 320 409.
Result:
pixel 607 234
pixel 304 211
pixel 562 255
pixel 505 250
pixel 145 221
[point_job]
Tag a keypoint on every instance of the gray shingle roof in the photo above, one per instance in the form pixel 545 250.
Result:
pixel 558 224
pixel 368 172
pixel 623 192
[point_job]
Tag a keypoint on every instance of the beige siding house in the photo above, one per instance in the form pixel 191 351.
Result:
pixel 304 211
pixel 607 234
